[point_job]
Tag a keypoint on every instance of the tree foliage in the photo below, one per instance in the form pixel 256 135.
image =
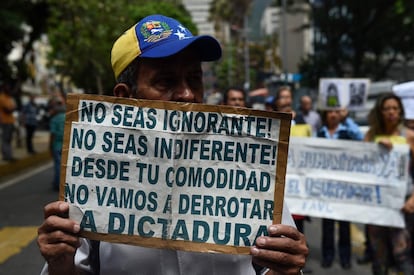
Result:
pixel 82 32
pixel 231 13
pixel 359 38
pixel 13 14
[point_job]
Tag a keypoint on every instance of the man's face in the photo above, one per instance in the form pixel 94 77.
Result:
pixel 284 102
pixel 333 117
pixel 174 78
pixel 235 98
pixel 306 104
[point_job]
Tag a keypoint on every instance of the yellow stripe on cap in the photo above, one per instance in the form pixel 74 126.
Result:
pixel 125 49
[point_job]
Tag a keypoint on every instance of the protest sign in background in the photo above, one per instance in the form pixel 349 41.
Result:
pixel 347 180
pixel 350 93
pixel 173 175
pixel 406 92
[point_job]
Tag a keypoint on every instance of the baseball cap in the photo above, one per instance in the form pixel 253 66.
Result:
pixel 157 36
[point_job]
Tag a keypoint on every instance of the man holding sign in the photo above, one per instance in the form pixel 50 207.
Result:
pixel 159 59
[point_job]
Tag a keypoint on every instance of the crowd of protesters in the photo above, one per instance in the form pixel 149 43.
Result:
pixel 387 249
pixel 24 117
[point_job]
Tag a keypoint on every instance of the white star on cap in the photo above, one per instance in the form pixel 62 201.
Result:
pixel 182 28
pixel 180 35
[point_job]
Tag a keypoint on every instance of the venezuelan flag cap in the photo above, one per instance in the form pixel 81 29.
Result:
pixel 158 36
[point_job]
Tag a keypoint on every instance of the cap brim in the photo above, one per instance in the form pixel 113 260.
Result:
pixel 207 46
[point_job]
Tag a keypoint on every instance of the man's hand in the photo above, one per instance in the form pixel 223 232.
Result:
pixel 57 238
pixel 284 251
pixel 409 205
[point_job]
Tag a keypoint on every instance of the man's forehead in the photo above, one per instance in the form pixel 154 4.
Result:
pixel 238 92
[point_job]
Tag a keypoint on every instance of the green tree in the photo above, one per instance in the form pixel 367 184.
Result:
pixel 359 38
pixel 82 33
pixel 13 14
pixel 231 13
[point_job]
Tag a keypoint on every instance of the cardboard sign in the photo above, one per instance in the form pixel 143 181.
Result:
pixel 173 175
pixel 347 180
pixel 406 92
pixel 350 93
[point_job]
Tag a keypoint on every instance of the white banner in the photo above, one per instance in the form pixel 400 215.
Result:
pixel 347 180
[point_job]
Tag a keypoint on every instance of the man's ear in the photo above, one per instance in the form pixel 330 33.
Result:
pixel 122 90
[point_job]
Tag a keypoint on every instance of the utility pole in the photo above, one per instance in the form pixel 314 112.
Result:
pixel 246 55
pixel 230 55
pixel 284 42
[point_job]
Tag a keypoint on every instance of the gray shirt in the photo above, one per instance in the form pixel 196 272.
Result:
pixel 314 120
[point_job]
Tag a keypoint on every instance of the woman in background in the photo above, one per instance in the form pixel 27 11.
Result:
pixel 391 246
pixel 333 128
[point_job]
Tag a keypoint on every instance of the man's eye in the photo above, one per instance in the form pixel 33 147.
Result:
pixel 165 82
pixel 195 78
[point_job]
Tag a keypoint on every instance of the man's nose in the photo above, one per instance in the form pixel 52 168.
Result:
pixel 184 93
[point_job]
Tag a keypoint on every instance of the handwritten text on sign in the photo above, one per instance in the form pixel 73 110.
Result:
pixel 347 180
pixel 172 172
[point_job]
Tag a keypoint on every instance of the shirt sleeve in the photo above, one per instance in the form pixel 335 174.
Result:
pixel 353 129
pixel 81 259
pixel 287 218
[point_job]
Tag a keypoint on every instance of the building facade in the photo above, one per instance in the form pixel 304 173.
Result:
pixel 295 42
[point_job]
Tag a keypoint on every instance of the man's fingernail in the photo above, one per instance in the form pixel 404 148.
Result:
pixel 62 207
pixel 273 229
pixel 260 241
pixel 76 228
pixel 254 251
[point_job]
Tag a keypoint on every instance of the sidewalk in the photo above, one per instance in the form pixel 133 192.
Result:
pixel 24 160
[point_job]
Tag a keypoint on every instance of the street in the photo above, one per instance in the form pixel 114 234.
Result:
pixel 22 199
pixel 23 196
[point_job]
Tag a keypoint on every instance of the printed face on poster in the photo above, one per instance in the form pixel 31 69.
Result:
pixel 173 175
pixel 350 93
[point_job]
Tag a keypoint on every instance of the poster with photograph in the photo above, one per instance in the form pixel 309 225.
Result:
pixel 350 93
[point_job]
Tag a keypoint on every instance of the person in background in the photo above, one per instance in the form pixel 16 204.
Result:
pixel 283 103
pixel 166 67
pixel 283 100
pixel 310 116
pixel 215 97
pixel 350 123
pixel 235 97
pixel 29 118
pixel 409 123
pixel 56 127
pixel 391 247
pixel 7 120
pixel 270 103
pixel 332 128
pixel 366 256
